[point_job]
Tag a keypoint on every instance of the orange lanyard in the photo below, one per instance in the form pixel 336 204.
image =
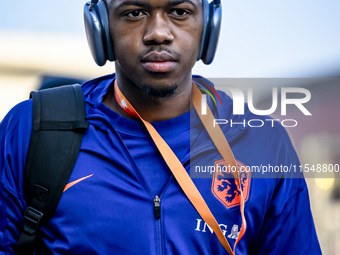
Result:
pixel 179 172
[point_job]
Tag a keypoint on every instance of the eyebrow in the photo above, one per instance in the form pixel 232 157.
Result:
pixel 143 4
pixel 136 3
pixel 178 2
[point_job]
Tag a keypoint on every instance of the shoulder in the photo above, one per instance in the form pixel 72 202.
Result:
pixel 96 89
pixel 259 139
pixel 15 133
pixel 269 129
pixel 18 118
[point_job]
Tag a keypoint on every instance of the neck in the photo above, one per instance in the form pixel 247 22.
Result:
pixel 152 108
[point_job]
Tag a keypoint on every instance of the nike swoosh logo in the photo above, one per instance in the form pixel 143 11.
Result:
pixel 69 185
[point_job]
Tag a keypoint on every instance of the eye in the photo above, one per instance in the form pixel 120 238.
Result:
pixel 180 13
pixel 134 14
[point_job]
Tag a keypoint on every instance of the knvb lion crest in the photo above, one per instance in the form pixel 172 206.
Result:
pixel 224 186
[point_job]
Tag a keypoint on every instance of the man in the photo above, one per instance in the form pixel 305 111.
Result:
pixel 128 201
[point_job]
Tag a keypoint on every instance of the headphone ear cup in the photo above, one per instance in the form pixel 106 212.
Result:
pixel 98 33
pixel 212 26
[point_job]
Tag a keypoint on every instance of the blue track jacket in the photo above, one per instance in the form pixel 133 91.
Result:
pixel 111 210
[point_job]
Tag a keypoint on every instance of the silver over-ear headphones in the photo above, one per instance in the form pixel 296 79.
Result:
pixel 100 43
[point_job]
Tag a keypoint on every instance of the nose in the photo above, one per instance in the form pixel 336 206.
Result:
pixel 158 30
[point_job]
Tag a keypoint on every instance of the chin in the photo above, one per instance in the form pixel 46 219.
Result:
pixel 159 90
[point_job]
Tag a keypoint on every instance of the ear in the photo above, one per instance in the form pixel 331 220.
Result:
pixel 98 32
pixel 212 15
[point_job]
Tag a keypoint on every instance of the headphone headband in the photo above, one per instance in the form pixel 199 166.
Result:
pixel 99 39
pixel 93 3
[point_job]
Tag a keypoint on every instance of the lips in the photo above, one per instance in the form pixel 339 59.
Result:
pixel 159 62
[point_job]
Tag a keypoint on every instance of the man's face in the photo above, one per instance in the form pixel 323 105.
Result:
pixel 156 42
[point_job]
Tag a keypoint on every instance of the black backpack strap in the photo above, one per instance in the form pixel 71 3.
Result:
pixel 57 131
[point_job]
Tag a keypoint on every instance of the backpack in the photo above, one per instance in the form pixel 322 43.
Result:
pixel 57 129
